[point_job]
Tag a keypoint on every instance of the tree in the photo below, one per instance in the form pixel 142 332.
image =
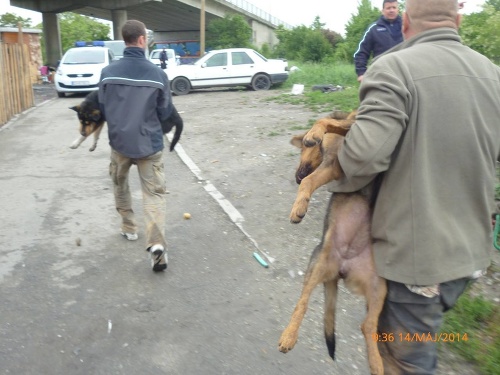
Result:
pixel 74 27
pixel 11 20
pixel 477 30
pixel 494 3
pixel 333 37
pixel 232 31
pixel 355 29
pixel 303 43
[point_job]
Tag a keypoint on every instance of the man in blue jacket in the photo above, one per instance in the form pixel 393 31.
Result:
pixel 134 95
pixel 379 37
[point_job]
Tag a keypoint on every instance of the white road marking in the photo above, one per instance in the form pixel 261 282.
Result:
pixel 235 216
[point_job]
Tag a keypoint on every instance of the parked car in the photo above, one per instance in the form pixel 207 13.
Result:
pixel 117 46
pixel 80 69
pixel 154 57
pixel 228 67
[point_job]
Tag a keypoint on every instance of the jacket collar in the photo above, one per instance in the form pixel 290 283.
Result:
pixel 134 52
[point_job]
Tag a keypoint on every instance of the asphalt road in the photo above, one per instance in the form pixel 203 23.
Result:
pixel 97 307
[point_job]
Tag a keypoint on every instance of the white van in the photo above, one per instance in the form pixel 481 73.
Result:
pixel 117 46
pixel 80 69
pixel 154 56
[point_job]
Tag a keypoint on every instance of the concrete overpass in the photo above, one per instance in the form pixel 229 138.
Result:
pixel 169 19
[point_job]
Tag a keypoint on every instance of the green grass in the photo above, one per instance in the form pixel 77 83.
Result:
pixel 476 316
pixel 479 319
pixel 310 74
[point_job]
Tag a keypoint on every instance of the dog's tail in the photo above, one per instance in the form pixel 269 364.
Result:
pixel 173 120
pixel 179 125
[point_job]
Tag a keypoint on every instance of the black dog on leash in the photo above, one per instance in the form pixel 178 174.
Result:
pixel 91 122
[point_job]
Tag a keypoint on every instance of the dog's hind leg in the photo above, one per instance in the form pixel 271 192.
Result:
pixel 363 278
pixel 375 298
pixel 320 270
pixel 77 142
pixel 329 316
pixel 289 337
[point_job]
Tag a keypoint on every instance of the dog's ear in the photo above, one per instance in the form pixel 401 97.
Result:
pixel 75 108
pixel 297 140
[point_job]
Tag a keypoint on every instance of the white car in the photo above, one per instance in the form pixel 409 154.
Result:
pixel 154 56
pixel 117 46
pixel 80 69
pixel 228 67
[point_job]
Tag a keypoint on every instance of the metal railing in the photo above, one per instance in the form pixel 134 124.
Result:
pixel 250 8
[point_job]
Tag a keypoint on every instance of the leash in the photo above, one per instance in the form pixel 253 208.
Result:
pixel 496 232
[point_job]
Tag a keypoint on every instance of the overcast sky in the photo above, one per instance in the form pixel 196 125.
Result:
pixel 335 14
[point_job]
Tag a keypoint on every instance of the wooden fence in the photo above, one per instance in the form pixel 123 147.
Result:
pixel 16 90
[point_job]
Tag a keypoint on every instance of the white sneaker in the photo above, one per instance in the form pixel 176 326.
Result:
pixel 130 236
pixel 159 258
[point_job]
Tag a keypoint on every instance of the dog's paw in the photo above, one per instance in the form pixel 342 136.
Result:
pixel 295 219
pixel 93 148
pixel 287 342
pixel 73 146
pixel 299 210
pixel 313 137
pixel 377 368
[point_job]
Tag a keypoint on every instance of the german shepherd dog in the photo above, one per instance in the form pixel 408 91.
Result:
pixel 92 122
pixel 345 251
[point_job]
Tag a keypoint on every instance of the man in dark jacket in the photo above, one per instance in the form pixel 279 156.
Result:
pixel 379 37
pixel 134 95
pixel 163 59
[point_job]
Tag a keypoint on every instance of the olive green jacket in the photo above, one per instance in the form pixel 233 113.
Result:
pixel 429 119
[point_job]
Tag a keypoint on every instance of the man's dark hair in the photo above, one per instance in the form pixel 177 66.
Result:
pixel 388 1
pixel 132 30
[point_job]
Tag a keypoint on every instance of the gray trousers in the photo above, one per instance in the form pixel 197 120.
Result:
pixel 152 177
pixel 409 327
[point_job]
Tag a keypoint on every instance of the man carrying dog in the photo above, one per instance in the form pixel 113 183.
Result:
pixel 134 96
pixel 427 125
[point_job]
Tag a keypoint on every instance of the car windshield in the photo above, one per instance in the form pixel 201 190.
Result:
pixel 86 56
pixel 117 46
pixel 262 57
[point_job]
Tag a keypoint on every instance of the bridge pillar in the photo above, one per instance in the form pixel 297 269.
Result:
pixel 53 50
pixel 119 17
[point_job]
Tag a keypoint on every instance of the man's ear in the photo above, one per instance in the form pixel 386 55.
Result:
pixel 406 23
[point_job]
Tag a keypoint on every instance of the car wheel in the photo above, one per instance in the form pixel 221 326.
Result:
pixel 61 94
pixel 261 82
pixel 181 86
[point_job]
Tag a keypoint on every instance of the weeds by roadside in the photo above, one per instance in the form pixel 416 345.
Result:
pixel 478 319
pixel 309 75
